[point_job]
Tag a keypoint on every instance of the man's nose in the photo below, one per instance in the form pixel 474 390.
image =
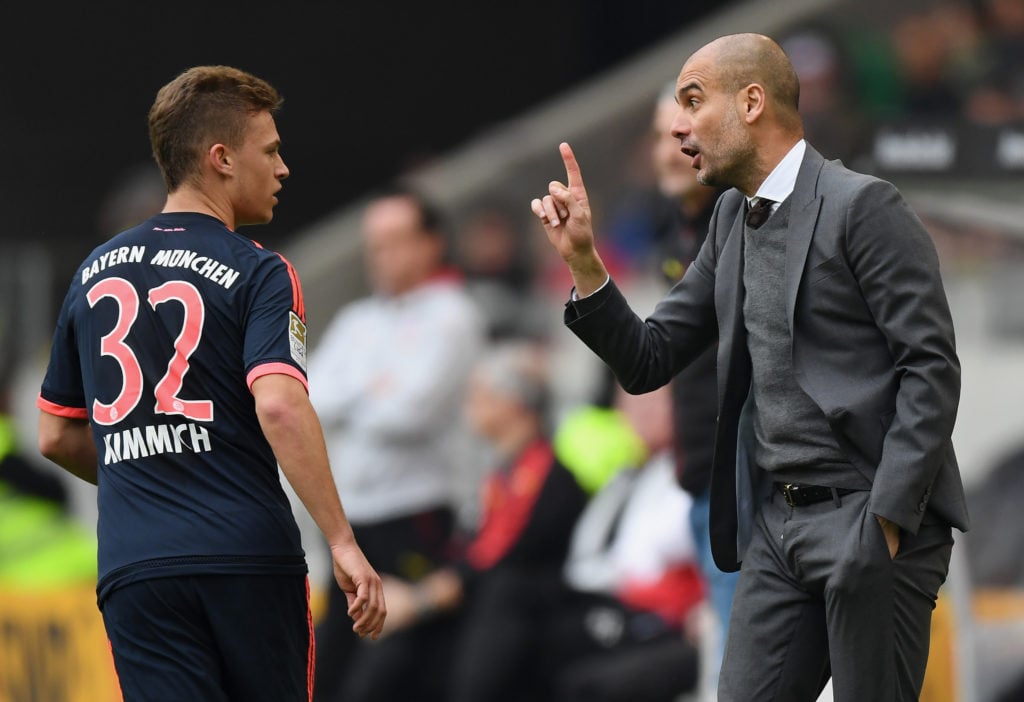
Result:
pixel 680 125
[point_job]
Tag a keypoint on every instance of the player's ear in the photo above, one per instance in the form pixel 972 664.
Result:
pixel 219 159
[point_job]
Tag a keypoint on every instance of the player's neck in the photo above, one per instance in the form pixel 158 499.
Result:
pixel 189 199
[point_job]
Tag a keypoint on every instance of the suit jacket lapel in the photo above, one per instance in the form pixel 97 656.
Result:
pixel 729 301
pixel 803 217
pixel 733 387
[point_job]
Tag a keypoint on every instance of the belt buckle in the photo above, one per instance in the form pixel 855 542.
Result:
pixel 787 492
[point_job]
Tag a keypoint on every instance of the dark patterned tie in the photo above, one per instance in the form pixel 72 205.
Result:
pixel 759 212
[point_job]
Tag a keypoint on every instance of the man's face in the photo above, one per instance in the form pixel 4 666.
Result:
pixel 259 171
pixel 709 127
pixel 487 409
pixel 399 253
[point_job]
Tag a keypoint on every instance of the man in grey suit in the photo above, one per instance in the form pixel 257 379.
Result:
pixel 835 483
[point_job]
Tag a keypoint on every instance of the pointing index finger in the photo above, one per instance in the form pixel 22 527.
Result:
pixel 572 168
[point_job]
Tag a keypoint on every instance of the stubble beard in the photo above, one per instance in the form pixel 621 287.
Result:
pixel 738 157
pixel 740 162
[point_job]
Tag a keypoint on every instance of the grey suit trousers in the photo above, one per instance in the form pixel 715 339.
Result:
pixel 818 594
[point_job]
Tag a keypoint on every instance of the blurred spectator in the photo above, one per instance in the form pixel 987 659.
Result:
pixel 640 220
pixel 923 50
pixel 833 120
pixel 503 583
pixel 684 205
pixel 24 477
pixel 595 441
pixel 999 98
pixel 911 59
pixel 996 534
pixel 388 381
pixel 497 258
pixel 996 567
pixel 41 545
pixel 632 580
pixel 694 390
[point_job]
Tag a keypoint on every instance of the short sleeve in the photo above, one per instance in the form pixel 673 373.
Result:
pixel 275 329
pixel 62 392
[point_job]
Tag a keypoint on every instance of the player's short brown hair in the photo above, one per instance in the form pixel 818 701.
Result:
pixel 202 106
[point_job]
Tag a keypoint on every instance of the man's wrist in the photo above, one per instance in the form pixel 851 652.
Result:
pixel 575 296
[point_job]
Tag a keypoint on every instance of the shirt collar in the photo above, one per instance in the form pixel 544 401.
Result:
pixel 780 182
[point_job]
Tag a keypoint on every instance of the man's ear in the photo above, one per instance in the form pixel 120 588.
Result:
pixel 219 158
pixel 752 102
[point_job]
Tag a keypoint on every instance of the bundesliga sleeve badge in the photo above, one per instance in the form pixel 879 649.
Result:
pixel 297 339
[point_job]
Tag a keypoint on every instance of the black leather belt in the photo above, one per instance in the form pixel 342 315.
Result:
pixel 799 495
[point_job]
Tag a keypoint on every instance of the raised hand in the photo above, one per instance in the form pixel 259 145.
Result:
pixel 565 214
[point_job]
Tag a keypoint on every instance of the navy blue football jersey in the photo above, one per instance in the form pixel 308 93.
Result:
pixel 159 339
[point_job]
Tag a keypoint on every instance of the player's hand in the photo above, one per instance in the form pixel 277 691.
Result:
pixel 891 530
pixel 363 589
pixel 565 211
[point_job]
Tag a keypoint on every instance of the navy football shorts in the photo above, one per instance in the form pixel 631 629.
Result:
pixel 207 638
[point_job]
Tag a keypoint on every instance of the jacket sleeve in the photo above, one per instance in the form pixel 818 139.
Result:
pixel 897 268
pixel 646 354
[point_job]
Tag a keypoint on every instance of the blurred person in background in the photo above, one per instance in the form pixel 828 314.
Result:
pixel 695 388
pixel 41 544
pixel 497 258
pixel 177 385
pixel 623 631
pixel 998 96
pixel 995 563
pixel 833 118
pixel 471 630
pixel 17 472
pixel 835 484
pixel 923 51
pixel 388 380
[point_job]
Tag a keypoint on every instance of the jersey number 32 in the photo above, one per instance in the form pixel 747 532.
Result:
pixel 113 345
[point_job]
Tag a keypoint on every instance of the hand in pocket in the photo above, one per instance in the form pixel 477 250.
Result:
pixel 892 534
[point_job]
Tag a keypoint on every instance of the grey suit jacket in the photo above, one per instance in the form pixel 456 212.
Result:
pixel 871 340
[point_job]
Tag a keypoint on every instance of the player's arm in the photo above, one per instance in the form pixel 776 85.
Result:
pixel 68 443
pixel 293 430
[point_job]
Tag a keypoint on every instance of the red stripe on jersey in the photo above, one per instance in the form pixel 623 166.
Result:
pixel 311 652
pixel 61 410
pixel 275 367
pixel 298 304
